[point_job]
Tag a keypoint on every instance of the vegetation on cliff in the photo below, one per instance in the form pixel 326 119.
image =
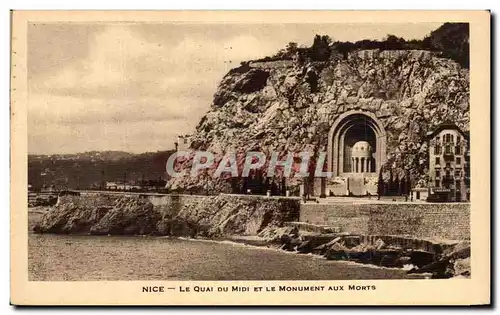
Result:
pixel 451 40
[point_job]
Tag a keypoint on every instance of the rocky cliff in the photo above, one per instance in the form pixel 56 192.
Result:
pixel 177 215
pixel 290 105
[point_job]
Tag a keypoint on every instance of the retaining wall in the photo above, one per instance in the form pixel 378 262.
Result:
pixel 430 220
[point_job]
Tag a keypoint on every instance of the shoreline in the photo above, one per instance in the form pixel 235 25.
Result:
pixel 243 241
pixel 246 221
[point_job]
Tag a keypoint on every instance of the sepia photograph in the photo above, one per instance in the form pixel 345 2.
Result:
pixel 198 150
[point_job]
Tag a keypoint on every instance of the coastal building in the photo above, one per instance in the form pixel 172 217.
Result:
pixel 449 165
pixel 121 186
pixel 420 193
pixel 183 143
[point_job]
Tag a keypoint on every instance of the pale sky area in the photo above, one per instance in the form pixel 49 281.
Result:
pixel 135 87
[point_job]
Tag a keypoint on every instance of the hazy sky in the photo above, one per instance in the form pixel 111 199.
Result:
pixel 134 87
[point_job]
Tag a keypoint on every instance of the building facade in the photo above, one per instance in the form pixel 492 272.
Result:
pixel 183 143
pixel 449 165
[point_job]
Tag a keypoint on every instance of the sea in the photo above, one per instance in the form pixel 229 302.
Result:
pixel 97 258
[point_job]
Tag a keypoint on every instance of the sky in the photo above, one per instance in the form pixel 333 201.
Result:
pixel 135 87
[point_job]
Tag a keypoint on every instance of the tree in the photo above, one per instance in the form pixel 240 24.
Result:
pixel 244 187
pixel 320 49
pixel 274 188
pixel 408 184
pixel 453 40
pixel 397 188
pixel 291 48
pixel 283 185
pixel 391 183
pixel 380 184
pixel 326 39
pixel 235 187
pixel 402 185
pixel 394 42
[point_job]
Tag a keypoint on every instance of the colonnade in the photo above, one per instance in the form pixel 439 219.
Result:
pixel 361 165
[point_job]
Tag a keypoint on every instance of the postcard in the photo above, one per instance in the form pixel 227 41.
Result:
pixel 250 158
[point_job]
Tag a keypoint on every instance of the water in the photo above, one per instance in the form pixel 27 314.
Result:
pixel 87 258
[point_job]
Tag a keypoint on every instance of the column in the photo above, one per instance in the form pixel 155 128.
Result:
pixel 369 165
pixel 352 165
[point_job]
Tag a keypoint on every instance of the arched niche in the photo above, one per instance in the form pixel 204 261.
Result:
pixel 349 128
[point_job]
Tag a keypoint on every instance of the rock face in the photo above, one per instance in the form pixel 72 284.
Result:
pixel 74 215
pixel 231 215
pixel 209 216
pixel 129 216
pixel 289 106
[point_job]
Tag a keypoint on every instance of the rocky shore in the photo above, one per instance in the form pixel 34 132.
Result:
pixel 422 258
pixel 270 222
pixel 191 216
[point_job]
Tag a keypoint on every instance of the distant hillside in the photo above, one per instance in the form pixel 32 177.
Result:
pixel 90 169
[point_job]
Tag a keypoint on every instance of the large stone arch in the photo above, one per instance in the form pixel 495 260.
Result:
pixel 341 127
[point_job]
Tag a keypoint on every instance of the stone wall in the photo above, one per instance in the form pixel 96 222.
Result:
pixel 426 220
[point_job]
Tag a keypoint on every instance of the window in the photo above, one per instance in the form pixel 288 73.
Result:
pixel 458 150
pixel 436 184
pixel 448 165
pixel 458 160
pixel 438 160
pixel 437 149
pixel 448 138
pixel 457 174
pixel 447 150
pixel 438 173
pixel 185 140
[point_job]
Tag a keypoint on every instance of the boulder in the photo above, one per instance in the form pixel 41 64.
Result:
pixel 336 252
pixel 324 247
pixel 461 267
pixel 305 247
pixel 421 258
pixel 379 244
pixel 459 251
